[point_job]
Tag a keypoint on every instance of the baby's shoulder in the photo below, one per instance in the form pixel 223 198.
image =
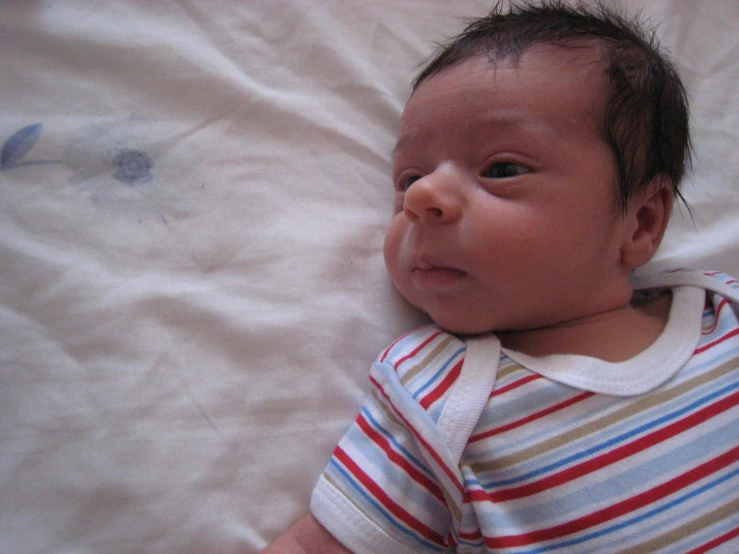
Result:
pixel 425 355
pixel 421 345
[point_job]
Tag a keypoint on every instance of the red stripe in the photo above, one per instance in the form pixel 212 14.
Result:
pixel 727 336
pixel 442 387
pixel 515 385
pixel 399 460
pixel 385 500
pixel 471 537
pixel 420 439
pixel 617 510
pixel 420 347
pixel 611 457
pixel 389 348
pixel 710 545
pixel 532 417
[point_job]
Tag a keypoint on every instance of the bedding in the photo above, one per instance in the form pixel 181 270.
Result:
pixel 192 205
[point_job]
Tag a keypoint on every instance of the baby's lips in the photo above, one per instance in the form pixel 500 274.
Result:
pixel 426 263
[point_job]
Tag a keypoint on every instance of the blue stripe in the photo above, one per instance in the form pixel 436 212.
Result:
pixel 612 442
pixel 395 442
pixel 637 519
pixel 436 375
pixel 360 489
pixel 714 361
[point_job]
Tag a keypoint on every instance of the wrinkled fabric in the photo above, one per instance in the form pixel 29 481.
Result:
pixel 192 205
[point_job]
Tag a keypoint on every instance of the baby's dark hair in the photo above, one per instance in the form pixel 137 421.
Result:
pixel 645 119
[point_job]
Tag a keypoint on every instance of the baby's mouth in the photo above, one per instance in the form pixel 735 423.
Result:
pixel 428 274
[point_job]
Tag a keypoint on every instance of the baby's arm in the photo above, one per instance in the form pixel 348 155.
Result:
pixel 306 536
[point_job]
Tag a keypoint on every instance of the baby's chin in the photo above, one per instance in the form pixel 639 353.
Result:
pixel 456 322
pixel 462 326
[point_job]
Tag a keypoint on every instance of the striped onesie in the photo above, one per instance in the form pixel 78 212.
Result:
pixel 464 446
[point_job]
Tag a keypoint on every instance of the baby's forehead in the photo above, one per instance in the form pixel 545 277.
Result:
pixel 584 63
pixel 569 78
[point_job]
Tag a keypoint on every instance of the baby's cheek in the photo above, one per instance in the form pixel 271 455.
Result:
pixel 389 247
pixel 392 249
pixel 398 203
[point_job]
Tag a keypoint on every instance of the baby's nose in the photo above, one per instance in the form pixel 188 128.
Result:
pixel 434 198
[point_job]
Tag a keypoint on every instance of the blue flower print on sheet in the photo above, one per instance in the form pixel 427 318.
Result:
pixel 116 163
pixel 129 165
pixel 114 152
pixel 132 166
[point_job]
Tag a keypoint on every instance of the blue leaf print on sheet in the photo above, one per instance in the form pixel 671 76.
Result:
pixel 20 144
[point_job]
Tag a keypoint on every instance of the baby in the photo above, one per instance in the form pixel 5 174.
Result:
pixel 557 403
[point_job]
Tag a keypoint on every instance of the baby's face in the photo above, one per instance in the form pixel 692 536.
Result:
pixel 505 215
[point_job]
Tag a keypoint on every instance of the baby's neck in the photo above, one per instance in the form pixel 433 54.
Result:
pixel 613 336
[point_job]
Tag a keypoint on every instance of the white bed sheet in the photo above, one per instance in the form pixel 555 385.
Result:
pixel 192 204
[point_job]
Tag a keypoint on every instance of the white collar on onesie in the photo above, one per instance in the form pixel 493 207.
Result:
pixel 637 375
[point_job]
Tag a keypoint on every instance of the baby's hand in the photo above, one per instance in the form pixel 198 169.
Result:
pixel 306 536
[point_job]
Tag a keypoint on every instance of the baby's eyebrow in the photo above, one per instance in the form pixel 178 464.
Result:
pixel 403 141
pixel 487 122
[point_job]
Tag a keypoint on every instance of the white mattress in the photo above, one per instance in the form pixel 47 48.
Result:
pixel 192 204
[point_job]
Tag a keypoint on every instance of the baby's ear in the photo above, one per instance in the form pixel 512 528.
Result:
pixel 647 219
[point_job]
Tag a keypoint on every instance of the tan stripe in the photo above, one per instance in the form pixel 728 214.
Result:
pixel 593 427
pixel 662 541
pixel 420 364
pixel 384 404
pixel 506 371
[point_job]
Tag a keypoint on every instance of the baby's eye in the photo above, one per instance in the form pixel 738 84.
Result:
pixel 501 170
pixel 408 181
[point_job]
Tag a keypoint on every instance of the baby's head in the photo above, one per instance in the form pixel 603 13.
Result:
pixel 645 114
pixel 537 163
